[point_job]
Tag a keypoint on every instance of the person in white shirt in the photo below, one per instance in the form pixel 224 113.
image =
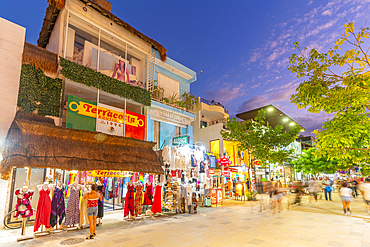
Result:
pixel 346 198
pixel 365 191
pixel 313 188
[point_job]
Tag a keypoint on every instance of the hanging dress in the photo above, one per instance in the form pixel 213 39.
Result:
pixel 23 206
pixel 43 210
pixel 130 201
pixel 148 195
pixel 57 206
pixel 157 201
pixel 139 199
pixel 100 204
pixel 73 211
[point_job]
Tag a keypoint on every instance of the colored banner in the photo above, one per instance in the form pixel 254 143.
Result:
pixel 81 114
pixel 106 173
pixel 75 120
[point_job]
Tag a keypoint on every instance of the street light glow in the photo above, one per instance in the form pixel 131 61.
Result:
pixel 285 119
pixel 270 109
pixel 292 123
pixel 302 130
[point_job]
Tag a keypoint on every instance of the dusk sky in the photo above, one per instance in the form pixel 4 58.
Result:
pixel 242 46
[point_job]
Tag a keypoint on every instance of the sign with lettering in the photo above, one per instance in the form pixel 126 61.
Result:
pixel 106 173
pixel 82 114
pixel 169 115
pixel 180 140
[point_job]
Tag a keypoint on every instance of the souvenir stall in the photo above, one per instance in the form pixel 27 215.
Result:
pixel 61 164
pixel 238 184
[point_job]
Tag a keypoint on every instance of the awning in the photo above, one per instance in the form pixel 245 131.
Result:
pixel 34 141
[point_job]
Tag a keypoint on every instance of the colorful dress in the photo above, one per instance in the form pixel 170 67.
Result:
pixel 148 195
pixel 57 206
pixel 73 211
pixel 139 199
pixel 43 210
pixel 23 206
pixel 130 201
pixel 157 201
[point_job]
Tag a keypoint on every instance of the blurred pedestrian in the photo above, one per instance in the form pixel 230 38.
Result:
pixel 346 198
pixel 313 189
pixel 327 188
pixel 277 197
pixel 365 191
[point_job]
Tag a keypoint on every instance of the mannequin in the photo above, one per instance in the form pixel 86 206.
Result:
pixel 43 207
pixel 100 203
pixel 148 195
pixel 157 199
pixel 57 204
pixel 83 214
pixel 129 209
pixel 138 199
pixel 23 207
pixel 73 211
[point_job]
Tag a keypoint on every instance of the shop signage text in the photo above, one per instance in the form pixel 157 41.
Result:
pixel 180 140
pixel 211 171
pixel 106 173
pixel 226 173
pixel 168 115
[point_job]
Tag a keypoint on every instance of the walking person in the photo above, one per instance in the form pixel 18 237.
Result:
pixel 327 188
pixel 313 189
pixel 277 197
pixel 346 198
pixel 92 209
pixel 365 191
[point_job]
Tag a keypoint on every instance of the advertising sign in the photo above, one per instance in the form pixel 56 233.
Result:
pixel 214 196
pixel 219 196
pixel 105 173
pixel 224 161
pixel 211 171
pixel 226 173
pixel 81 114
pixel 180 140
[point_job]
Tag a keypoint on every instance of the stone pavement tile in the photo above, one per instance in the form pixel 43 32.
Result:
pixel 335 243
pixel 360 234
pixel 256 241
pixel 352 242
pixel 365 244
pixel 306 238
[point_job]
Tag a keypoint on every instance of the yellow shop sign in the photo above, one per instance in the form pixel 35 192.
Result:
pixel 89 110
pixel 106 173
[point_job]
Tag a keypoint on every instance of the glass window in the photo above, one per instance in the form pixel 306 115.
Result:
pixel 169 85
pixel 82 42
pixel 215 148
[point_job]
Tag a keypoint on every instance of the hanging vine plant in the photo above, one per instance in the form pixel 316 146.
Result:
pixel 89 77
pixel 39 92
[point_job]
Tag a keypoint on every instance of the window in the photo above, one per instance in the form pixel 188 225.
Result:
pixel 203 124
pixel 170 86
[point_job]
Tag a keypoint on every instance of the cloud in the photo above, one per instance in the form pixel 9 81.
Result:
pixel 309 3
pixel 255 86
pixel 226 93
pixel 328 12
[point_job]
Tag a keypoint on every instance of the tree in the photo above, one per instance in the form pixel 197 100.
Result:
pixel 338 83
pixel 310 164
pixel 261 140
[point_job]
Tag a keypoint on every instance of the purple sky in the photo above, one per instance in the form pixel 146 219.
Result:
pixel 242 46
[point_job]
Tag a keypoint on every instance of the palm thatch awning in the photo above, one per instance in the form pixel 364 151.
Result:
pixel 33 141
pixel 40 58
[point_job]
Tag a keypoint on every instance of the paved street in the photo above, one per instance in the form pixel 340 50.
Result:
pixel 234 224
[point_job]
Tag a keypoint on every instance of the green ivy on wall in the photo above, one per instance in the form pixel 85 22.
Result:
pixel 91 78
pixel 37 91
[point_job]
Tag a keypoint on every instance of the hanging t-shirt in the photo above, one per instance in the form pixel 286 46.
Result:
pixel 173 173
pixel 179 174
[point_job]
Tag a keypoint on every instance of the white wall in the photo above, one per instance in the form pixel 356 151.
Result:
pixel 11 49
pixel 208 134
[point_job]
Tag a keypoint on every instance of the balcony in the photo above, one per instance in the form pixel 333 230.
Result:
pixel 212 103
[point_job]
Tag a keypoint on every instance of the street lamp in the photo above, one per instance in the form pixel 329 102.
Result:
pixel 285 119
pixel 270 109
pixel 292 124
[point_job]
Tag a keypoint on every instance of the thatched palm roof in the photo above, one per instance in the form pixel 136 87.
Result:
pixel 33 141
pixel 55 6
pixel 40 58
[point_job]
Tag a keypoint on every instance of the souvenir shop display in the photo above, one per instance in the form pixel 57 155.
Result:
pixel 129 209
pixel 184 194
pixel 73 210
pixel 84 221
pixel 168 201
pixel 138 199
pixel 23 206
pixel 57 205
pixel 157 200
pixel 148 195
pixel 100 203
pixel 43 208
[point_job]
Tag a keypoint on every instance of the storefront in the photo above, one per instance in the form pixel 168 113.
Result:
pixel 38 152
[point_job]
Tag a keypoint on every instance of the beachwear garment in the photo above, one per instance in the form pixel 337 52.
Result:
pixel 73 211
pixel 157 201
pixel 148 195
pixel 43 210
pixel 129 201
pixel 139 199
pixel 57 206
pixel 100 204
pixel 23 206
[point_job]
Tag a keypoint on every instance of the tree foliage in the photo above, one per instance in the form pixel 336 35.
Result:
pixel 310 164
pixel 337 82
pixel 264 142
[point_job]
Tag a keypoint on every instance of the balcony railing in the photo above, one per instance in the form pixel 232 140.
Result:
pixel 213 103
pixel 204 124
